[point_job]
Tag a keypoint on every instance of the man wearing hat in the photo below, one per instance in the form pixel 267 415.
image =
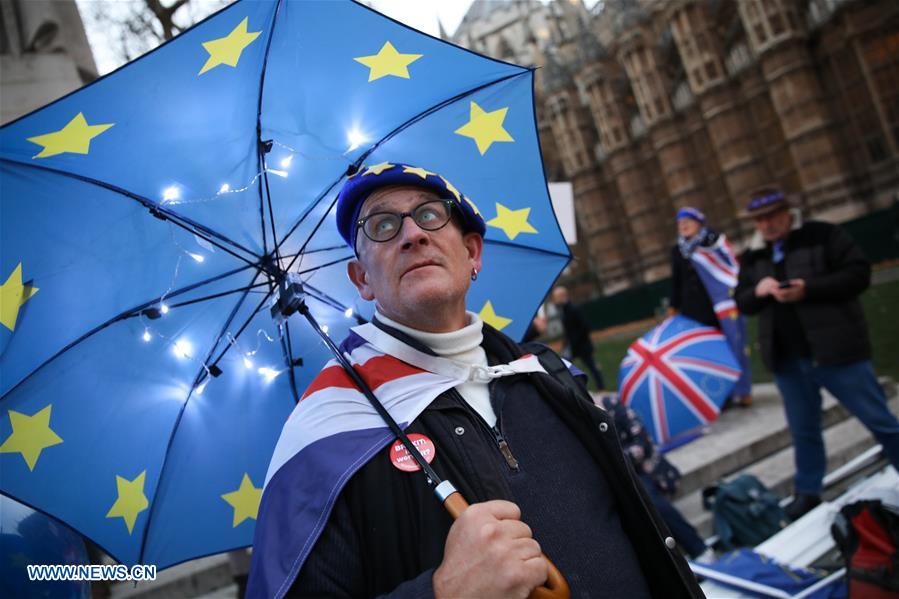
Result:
pixel 516 434
pixel 804 279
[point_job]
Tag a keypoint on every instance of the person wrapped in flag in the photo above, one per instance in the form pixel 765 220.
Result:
pixel 346 513
pixel 704 273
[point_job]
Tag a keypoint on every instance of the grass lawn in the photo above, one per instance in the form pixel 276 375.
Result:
pixel 881 303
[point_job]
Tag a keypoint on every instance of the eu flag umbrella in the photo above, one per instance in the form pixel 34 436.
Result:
pixel 677 376
pixel 148 218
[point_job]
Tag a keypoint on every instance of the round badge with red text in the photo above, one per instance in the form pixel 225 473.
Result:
pixel 401 459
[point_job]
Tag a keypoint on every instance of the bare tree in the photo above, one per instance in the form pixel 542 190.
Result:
pixel 133 27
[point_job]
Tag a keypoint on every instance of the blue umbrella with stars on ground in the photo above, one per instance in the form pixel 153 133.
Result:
pixel 149 217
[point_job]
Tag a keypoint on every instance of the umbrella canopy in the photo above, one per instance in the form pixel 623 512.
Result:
pixel 146 221
pixel 677 377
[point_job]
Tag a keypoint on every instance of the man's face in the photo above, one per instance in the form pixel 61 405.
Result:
pixel 560 296
pixel 419 278
pixel 687 227
pixel 774 225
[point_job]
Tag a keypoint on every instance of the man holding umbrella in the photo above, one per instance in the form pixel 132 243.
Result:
pixel 518 436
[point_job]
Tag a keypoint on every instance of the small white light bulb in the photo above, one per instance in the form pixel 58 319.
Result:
pixel 146 336
pixel 268 373
pixel 247 362
pixel 356 139
pixel 325 328
pixel 285 163
pixel 277 172
pixel 225 188
pixel 182 348
pixel 171 193
pixel 164 308
pixel 348 313
pixel 197 257
pixel 202 386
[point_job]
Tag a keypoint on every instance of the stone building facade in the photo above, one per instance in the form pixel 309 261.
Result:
pixel 44 54
pixel 650 105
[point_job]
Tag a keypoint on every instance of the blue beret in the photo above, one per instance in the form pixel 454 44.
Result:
pixel 765 201
pixel 369 178
pixel 690 212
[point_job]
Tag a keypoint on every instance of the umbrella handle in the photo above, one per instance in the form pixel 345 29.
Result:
pixel 555 586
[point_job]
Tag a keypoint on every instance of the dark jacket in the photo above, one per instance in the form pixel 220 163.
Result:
pixel 835 271
pixel 688 295
pixel 577 330
pixel 387 532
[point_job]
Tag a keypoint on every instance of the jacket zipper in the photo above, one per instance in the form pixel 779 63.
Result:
pixel 501 442
pixel 504 448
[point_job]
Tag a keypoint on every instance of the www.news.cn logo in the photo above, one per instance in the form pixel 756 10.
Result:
pixel 116 572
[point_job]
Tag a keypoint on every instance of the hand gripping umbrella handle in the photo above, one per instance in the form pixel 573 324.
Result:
pixel 555 586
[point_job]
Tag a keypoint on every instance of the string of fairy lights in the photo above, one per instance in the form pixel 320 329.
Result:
pixel 181 346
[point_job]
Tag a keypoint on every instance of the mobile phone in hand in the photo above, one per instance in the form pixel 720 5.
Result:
pixel 784 284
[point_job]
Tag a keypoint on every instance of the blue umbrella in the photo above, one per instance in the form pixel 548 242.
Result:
pixel 677 376
pixel 149 217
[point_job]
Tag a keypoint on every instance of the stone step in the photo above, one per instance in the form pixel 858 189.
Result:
pixel 843 440
pixel 740 437
pixel 195 578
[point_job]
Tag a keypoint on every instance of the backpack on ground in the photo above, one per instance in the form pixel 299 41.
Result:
pixel 744 512
pixel 867 533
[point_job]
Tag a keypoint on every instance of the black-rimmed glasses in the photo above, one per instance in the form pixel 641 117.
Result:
pixel 384 226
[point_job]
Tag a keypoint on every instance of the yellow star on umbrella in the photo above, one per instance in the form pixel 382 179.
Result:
pixel 417 171
pixel 131 500
pixel 485 128
pixel 512 222
pixel 377 169
pixel 13 295
pixel 30 435
pixel 74 138
pixel 245 500
pixel 388 62
pixel 227 50
pixel 489 315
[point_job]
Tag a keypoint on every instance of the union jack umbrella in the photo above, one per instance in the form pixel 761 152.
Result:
pixel 677 376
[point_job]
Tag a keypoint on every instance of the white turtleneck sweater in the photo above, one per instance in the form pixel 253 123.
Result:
pixel 462 346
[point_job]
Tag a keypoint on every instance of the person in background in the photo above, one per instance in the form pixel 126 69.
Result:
pixel 703 277
pixel 577 334
pixel 803 280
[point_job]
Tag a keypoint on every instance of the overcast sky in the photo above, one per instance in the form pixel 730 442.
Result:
pixel 420 14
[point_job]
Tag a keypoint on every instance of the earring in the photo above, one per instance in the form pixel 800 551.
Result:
pixel 474 274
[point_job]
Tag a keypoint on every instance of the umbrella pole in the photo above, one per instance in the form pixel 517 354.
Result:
pixel 290 300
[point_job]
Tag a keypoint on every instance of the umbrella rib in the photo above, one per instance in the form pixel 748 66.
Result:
pixel 325 265
pixel 242 328
pixel 217 295
pixel 156 209
pixel 260 152
pixel 176 424
pixel 435 108
pixel 135 311
pixel 286 347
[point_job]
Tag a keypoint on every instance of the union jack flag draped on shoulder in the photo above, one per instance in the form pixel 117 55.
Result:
pixel 334 431
pixel 717 267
